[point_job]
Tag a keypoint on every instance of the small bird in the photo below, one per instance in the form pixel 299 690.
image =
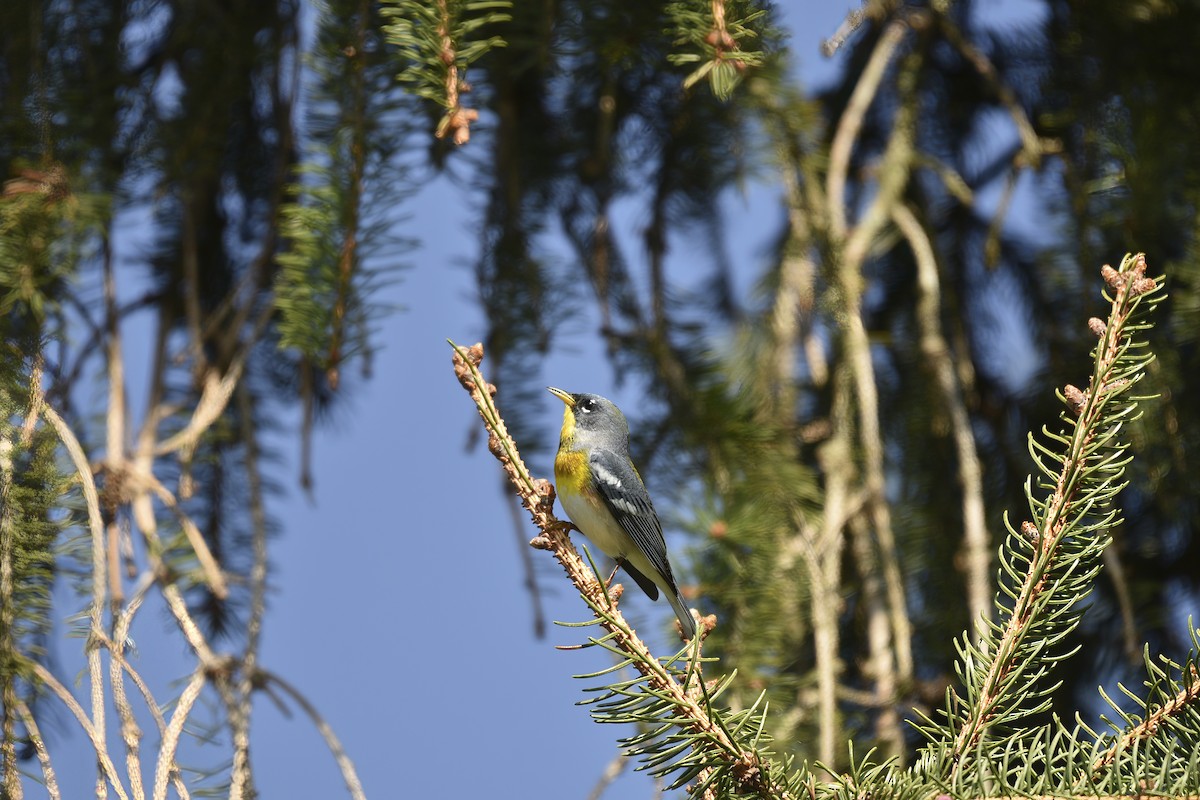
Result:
pixel 604 496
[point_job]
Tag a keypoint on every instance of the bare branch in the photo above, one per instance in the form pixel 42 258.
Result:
pixel 217 391
pixel 853 21
pixel 116 414
pixel 98 744
pixel 170 739
pixel 213 576
pixel 976 539
pixel 851 122
pixel 239 715
pixel 349 775
pixel 99 566
pixel 39 746
pixel 1032 146
pixel 611 772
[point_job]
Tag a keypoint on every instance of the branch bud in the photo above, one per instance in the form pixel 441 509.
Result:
pixel 1096 326
pixel 1113 278
pixel 1143 285
pixel 1075 397
pixel 545 492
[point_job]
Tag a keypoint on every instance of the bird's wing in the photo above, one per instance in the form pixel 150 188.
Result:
pixel 629 502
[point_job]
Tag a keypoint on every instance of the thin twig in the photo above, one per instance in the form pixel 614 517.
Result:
pixel 99 566
pixel 865 89
pixel 106 765
pixel 143 457
pixel 117 654
pixel 894 172
pixel 115 417
pixel 1032 146
pixel 217 391
pixel 852 22
pixel 118 665
pixel 611 772
pixel 976 539
pixel 527 566
pixel 879 665
pixel 213 576
pixel 131 732
pixel 190 259
pixel 39 745
pixel 242 782
pixel 170 739
pixel 349 774
pixel 1115 570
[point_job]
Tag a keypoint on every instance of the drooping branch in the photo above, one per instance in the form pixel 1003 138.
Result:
pixel 976 539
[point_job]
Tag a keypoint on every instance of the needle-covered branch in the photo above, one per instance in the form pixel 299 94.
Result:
pixel 1051 561
pixel 688 738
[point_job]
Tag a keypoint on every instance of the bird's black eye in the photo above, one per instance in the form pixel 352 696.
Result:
pixel 587 406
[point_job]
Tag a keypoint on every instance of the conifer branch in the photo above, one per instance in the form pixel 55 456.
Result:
pixel 438 42
pixel 8 614
pixel 714 32
pixel 715 743
pixel 1188 696
pixel 1060 549
pixel 348 258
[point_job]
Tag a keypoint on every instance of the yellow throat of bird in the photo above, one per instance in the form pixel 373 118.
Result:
pixel 570 465
pixel 567 437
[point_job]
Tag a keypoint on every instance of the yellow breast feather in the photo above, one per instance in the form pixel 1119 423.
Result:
pixel 570 472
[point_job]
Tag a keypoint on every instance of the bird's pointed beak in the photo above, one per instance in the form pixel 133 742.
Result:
pixel 561 395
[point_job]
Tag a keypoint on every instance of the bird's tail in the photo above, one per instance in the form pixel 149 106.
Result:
pixel 685 615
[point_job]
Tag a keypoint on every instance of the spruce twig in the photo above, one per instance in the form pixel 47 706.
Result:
pixel 716 742
pixel 1000 679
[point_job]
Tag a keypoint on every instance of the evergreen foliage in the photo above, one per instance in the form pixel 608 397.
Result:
pixel 340 246
pixel 837 441
pixel 437 42
pixel 990 741
pixel 32 496
pixel 712 35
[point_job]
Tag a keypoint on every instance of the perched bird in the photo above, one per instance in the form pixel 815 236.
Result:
pixel 604 496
